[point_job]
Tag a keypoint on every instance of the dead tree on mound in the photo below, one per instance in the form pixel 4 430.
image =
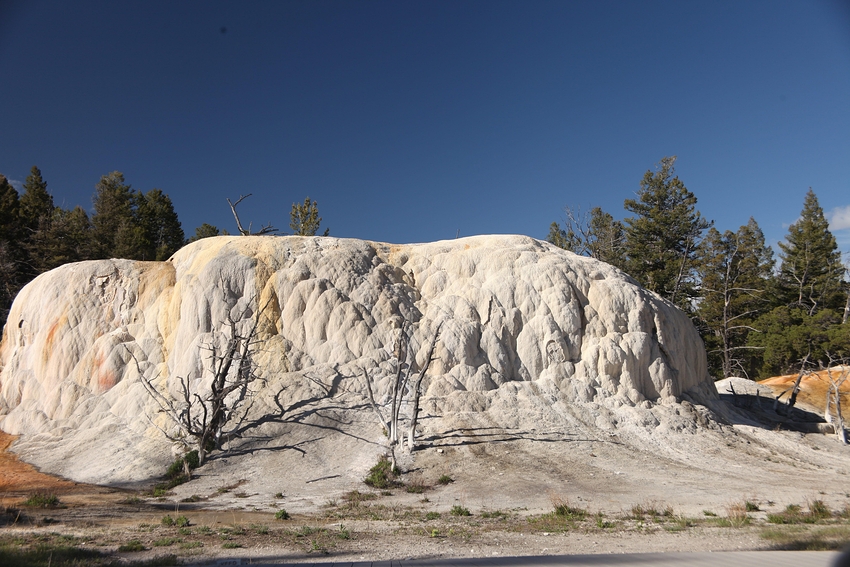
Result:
pixel 204 418
pixel 794 390
pixel 267 229
pixel 837 371
pixel 402 387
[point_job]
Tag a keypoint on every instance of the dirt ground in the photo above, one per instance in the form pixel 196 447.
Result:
pixel 712 488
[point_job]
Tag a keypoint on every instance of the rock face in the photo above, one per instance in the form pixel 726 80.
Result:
pixel 513 310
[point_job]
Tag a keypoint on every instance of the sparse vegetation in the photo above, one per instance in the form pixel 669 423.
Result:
pixel 42 500
pixel 445 479
pixel 281 514
pixel 458 510
pixel 383 475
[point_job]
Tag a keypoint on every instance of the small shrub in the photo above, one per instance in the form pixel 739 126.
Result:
pixel 278 495
pixel 130 546
pixel 445 479
pixel 709 513
pixel 416 487
pixel 736 514
pixel 167 541
pixel 191 545
pixel 42 500
pixel 432 515
pixel 281 514
pixel 167 521
pixel 356 497
pixel 230 545
pixel 564 509
pixel 818 510
pixel 751 506
pixel 181 521
pixel 458 510
pixel 382 475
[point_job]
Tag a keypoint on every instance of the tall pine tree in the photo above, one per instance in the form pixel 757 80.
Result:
pixel 806 321
pixel 810 275
pixel 663 235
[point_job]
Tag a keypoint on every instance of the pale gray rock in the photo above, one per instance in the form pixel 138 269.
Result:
pixel 513 310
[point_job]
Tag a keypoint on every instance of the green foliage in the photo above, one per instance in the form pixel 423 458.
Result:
pixel 663 234
pixel 205 231
pixel 445 479
pixel 130 224
pixel 794 514
pixel 382 475
pixel 735 270
pixel 790 333
pixel 180 521
pixel 36 204
pixel 596 234
pixel 458 510
pixel 131 546
pixel 281 514
pixel 810 275
pixel 42 500
pixel 161 233
pixel 305 219
pixel 565 510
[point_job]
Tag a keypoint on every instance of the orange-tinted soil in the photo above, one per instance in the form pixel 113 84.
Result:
pixel 813 388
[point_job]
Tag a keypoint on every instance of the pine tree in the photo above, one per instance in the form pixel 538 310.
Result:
pixel 113 226
pixel 735 270
pixel 662 237
pixel 36 203
pixel 66 239
pixel 12 265
pixel 162 232
pixel 811 272
pixel 305 219
pixel 205 231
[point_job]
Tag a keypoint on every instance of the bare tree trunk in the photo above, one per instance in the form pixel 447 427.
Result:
pixel 796 389
pixel 417 390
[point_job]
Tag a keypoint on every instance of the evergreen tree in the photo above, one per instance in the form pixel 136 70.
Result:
pixel 205 231
pixel 115 233
pixel 67 238
pixel 790 333
pixel 36 203
pixel 12 265
pixel 662 237
pixel 735 270
pixel 162 234
pixel 811 272
pixel 810 298
pixel 305 219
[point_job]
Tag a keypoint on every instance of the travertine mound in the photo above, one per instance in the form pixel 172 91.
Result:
pixel 516 313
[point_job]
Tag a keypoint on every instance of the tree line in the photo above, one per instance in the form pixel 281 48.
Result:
pixel 756 317
pixel 36 235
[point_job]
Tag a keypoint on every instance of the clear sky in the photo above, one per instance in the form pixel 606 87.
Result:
pixel 412 121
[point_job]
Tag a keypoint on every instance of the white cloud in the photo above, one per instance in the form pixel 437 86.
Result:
pixel 839 218
pixel 18 185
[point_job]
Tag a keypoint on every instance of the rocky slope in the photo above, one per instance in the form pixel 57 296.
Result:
pixel 532 337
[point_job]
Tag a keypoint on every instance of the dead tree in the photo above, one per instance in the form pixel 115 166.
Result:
pixel 267 229
pixel 205 417
pixel 400 388
pixel 837 371
pixel 794 390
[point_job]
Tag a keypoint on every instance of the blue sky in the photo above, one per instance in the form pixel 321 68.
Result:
pixel 412 121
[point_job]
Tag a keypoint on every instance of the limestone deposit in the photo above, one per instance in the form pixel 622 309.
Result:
pixel 531 335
